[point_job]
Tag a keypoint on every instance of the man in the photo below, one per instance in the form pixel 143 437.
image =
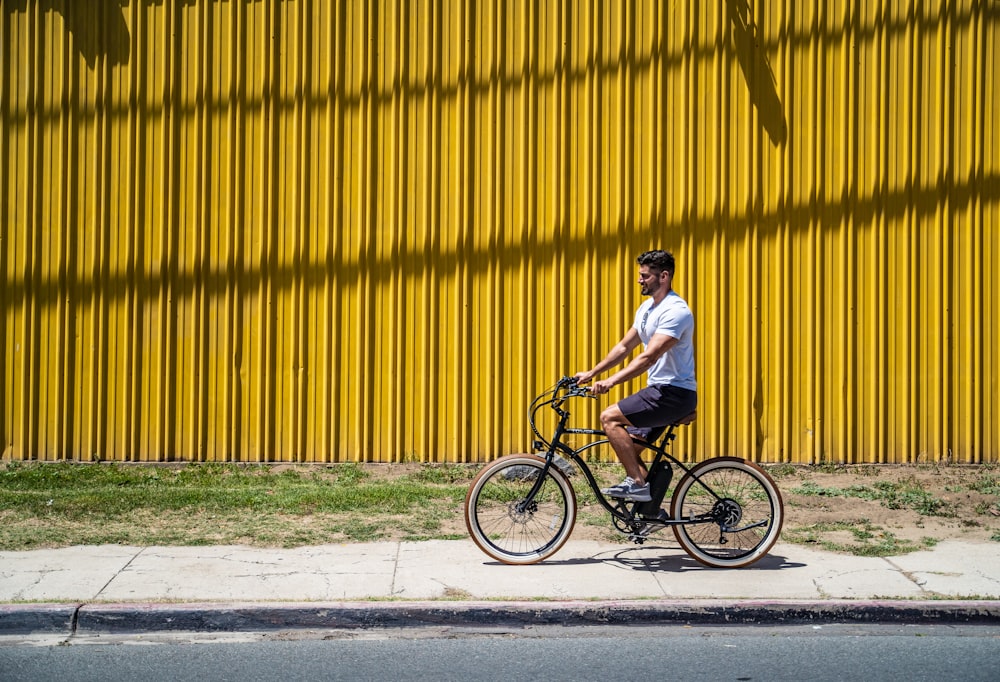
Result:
pixel 664 325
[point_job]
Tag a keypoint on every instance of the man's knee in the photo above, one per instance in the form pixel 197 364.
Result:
pixel 612 416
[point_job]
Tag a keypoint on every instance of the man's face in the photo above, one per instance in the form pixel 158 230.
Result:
pixel 651 280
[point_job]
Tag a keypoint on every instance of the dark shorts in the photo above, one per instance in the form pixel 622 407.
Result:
pixel 656 407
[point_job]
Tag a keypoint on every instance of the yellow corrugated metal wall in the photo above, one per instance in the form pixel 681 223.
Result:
pixel 321 231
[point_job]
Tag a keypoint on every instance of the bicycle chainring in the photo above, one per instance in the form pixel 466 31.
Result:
pixel 629 528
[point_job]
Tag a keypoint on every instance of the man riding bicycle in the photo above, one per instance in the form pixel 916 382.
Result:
pixel 664 326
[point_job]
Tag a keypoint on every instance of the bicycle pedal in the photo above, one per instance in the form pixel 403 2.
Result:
pixel 639 536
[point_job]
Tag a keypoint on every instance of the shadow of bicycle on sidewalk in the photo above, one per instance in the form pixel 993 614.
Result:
pixel 672 560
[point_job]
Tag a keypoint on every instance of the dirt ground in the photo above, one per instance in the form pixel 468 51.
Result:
pixel 885 509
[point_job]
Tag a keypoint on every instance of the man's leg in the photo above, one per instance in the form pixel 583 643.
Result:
pixel 614 423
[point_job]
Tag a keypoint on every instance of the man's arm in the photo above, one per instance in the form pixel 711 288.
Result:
pixel 658 345
pixel 614 357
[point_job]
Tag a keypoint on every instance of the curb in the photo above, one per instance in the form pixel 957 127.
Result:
pixel 26 619
pixel 77 619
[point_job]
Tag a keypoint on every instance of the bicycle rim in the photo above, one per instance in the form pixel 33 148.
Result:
pixel 503 526
pixel 745 503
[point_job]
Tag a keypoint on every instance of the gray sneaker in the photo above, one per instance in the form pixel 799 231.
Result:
pixel 629 490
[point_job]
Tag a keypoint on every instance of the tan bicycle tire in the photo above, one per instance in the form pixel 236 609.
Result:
pixel 752 494
pixel 513 537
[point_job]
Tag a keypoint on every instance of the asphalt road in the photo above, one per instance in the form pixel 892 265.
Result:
pixel 826 652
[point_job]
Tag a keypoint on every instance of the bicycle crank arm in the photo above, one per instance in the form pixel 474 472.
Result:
pixel 728 529
pixel 691 520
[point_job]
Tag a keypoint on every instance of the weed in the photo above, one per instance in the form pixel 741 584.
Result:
pixel 350 473
pixel 782 470
pixel 988 508
pixel 829 467
pixel 444 474
pixel 987 484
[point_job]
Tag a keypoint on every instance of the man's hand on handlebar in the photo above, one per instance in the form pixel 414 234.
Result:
pixel 601 387
pixel 598 387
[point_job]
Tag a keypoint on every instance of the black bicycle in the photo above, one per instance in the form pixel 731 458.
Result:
pixel 726 512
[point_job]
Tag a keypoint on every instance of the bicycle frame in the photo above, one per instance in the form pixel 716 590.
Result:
pixel 555 445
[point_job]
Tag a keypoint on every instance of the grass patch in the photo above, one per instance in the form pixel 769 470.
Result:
pixel 60 504
pixel 860 538
pixel 907 494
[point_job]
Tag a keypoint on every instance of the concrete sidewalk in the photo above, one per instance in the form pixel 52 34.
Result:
pixel 115 588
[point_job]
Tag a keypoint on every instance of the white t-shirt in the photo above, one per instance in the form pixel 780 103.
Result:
pixel 673 318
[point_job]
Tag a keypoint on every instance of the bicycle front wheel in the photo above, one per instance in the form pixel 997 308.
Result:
pixel 509 527
pixel 732 509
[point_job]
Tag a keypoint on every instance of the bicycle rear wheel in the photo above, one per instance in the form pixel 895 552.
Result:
pixel 739 509
pixel 508 528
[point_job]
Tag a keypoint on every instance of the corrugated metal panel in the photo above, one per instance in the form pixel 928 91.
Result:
pixel 300 230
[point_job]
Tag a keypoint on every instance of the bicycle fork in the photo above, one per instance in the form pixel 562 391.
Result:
pixel 529 499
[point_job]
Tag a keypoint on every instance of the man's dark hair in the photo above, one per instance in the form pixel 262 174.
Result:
pixel 662 261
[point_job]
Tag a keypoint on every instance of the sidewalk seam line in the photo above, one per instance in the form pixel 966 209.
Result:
pixel 906 574
pixel 395 569
pixel 119 572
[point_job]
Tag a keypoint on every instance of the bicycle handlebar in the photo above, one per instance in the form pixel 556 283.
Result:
pixel 574 389
pixel 565 388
